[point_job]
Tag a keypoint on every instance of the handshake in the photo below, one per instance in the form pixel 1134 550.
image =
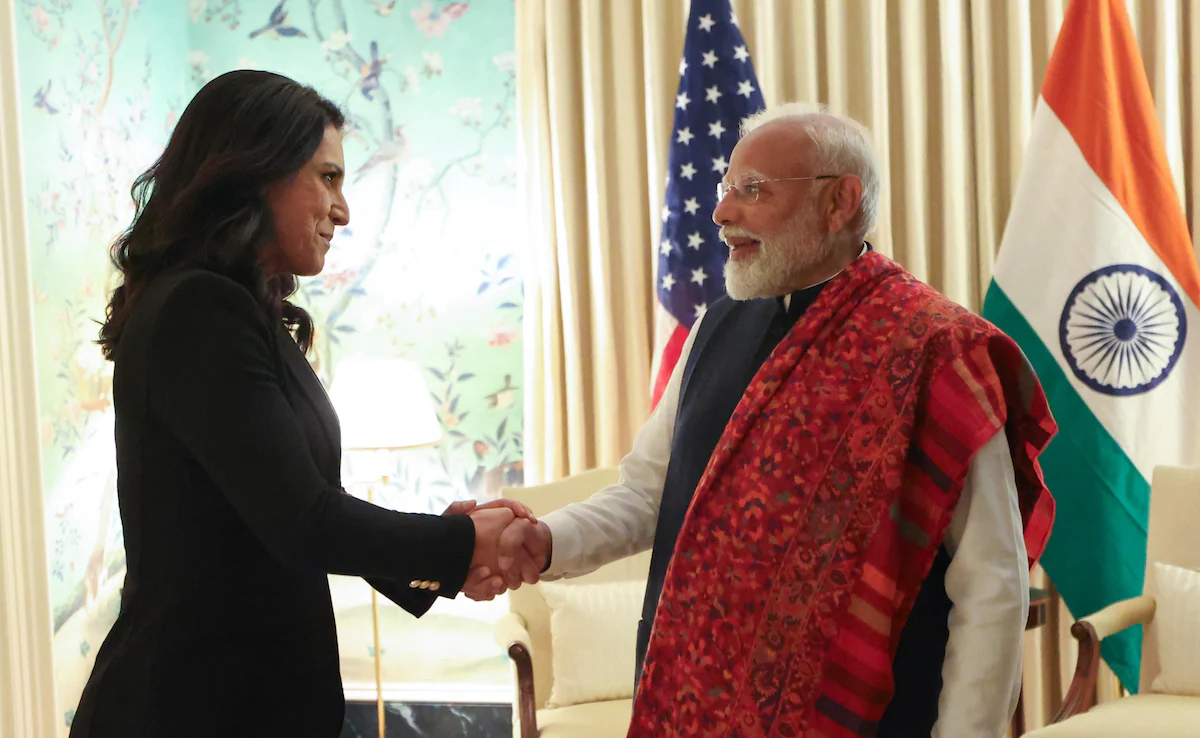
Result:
pixel 511 547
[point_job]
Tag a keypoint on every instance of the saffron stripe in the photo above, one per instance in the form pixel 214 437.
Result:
pixel 1114 125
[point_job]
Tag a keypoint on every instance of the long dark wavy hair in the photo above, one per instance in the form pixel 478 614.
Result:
pixel 204 202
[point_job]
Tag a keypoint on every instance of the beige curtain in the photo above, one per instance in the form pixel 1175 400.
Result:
pixel 590 84
pixel 27 699
pixel 947 87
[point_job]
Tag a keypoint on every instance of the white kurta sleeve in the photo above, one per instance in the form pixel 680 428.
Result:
pixel 988 585
pixel 620 519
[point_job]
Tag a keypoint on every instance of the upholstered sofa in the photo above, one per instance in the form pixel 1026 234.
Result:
pixel 1173 538
pixel 594 619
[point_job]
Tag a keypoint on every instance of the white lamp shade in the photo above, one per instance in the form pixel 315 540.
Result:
pixel 383 404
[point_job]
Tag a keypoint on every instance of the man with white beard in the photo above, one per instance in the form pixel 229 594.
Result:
pixel 840 483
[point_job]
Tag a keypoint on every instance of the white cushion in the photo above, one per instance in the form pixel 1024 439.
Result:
pixel 1177 618
pixel 1140 716
pixel 593 635
pixel 594 720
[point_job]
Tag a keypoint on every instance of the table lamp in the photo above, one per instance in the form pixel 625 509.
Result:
pixel 383 406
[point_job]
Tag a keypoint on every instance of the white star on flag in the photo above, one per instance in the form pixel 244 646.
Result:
pixel 713 104
pixel 666 213
pixel 701 309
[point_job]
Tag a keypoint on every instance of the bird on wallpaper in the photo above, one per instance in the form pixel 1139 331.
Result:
pixel 385 8
pixel 388 154
pixel 371 72
pixel 503 398
pixel 39 99
pixel 277 25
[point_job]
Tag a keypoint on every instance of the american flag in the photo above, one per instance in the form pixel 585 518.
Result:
pixel 717 89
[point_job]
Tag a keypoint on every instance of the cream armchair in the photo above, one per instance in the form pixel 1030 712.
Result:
pixel 1171 539
pixel 525 631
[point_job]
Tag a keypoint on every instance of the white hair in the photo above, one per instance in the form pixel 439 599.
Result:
pixel 841 144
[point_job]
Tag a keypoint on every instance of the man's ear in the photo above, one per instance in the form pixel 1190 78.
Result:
pixel 845 196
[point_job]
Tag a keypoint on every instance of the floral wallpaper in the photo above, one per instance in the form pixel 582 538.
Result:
pixel 428 269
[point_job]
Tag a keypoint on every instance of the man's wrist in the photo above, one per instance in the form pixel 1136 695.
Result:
pixel 549 545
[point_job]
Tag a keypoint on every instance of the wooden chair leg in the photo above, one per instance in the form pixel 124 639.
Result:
pixel 1081 695
pixel 526 708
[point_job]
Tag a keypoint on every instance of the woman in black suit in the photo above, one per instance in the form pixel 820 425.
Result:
pixel 228 450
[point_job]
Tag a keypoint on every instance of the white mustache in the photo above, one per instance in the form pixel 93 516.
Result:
pixel 728 232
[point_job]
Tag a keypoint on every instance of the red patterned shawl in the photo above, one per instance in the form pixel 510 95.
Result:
pixel 823 506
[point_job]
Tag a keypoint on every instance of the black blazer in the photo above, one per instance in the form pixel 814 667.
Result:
pixel 228 462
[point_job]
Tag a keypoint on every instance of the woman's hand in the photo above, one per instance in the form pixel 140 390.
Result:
pixel 490 523
pixel 482 585
pixel 461 507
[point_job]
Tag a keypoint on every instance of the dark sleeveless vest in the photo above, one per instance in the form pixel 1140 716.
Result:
pixel 733 341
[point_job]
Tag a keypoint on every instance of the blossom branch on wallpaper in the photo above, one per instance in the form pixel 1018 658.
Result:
pixel 471 119
pixel 366 73
pixel 113 21
pixel 499 452
pixel 372 89
pixel 41 14
pixel 227 11
pixel 386 158
pixel 98 123
pixel 108 22
pixel 98 155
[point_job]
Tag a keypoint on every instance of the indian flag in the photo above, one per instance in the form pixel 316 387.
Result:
pixel 1097 281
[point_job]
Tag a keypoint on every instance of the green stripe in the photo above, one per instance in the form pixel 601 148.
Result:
pixel 1097 549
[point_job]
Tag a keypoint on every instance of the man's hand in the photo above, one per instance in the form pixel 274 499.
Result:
pixel 524 551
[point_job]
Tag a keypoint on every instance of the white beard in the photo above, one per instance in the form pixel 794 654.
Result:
pixel 797 248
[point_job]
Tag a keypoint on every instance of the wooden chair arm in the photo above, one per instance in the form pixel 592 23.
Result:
pixel 511 633
pixel 1090 631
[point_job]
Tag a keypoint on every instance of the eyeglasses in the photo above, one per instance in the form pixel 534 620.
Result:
pixel 750 191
